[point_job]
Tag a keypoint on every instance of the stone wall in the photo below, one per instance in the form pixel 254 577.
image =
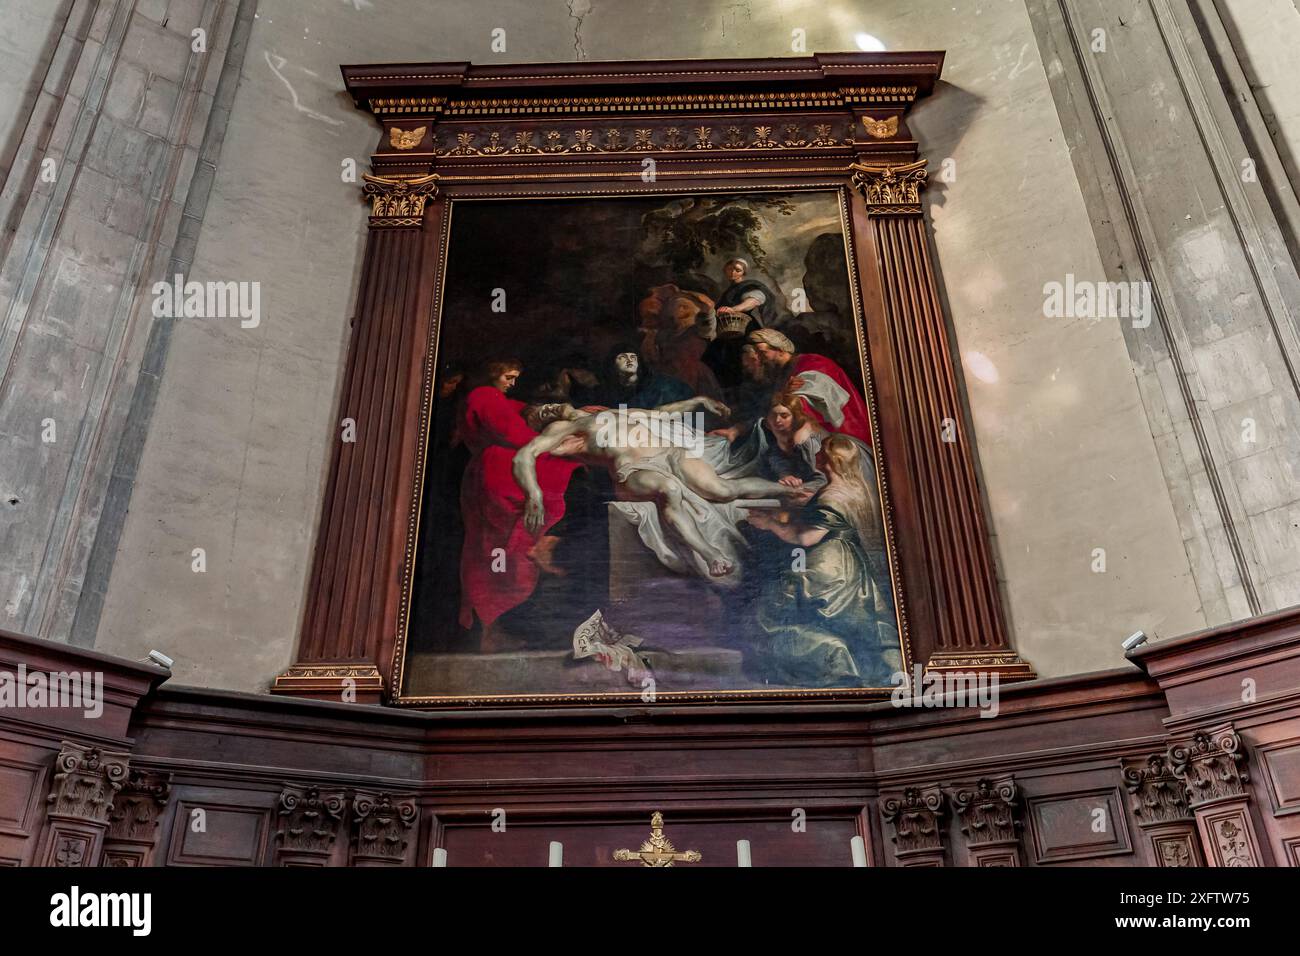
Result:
pixel 1183 196
pixel 1077 452
pixel 101 145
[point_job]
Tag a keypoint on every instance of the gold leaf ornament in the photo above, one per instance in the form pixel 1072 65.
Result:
pixel 406 138
pixel 881 129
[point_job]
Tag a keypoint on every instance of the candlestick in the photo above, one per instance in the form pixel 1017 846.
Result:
pixel 439 856
pixel 742 853
pixel 557 853
pixel 859 851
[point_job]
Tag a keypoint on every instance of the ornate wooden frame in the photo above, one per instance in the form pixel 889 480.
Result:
pixel 458 131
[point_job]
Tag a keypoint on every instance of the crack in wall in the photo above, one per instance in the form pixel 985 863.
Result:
pixel 578 10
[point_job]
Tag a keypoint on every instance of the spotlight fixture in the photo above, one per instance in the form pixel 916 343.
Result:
pixel 1134 641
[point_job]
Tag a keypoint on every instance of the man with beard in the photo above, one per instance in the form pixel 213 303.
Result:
pixel 832 398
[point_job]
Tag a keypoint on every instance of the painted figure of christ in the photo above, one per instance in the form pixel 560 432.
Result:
pixel 636 447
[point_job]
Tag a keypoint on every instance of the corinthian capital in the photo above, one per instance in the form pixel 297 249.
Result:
pixel 395 201
pixel 915 815
pixel 888 188
pixel 1211 765
pixel 85 781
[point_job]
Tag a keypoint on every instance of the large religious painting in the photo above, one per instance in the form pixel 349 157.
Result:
pixel 652 466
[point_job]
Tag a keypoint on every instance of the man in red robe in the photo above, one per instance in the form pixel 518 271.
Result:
pixel 496 573
pixel 831 396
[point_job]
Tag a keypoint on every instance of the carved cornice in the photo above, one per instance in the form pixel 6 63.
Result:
pixel 1210 765
pixel 790 100
pixel 1155 792
pixel 915 816
pixel 309 818
pixel 399 201
pixel 642 139
pixel 138 805
pixel 85 781
pixel 382 823
pixel 404 105
pixel 890 189
pixel 989 812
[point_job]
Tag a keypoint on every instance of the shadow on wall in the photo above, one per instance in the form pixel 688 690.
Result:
pixel 944 116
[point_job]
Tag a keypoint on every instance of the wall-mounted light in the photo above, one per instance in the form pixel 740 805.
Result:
pixel 868 43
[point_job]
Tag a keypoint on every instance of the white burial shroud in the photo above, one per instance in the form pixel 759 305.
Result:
pixel 716 522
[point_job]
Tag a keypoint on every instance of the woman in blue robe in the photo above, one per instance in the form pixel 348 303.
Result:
pixel 827 619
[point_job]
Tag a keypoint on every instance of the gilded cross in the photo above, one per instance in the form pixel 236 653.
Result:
pixel 658 850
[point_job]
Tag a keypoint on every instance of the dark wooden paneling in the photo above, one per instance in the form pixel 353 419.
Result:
pixel 1076 826
pixel 231 834
pixel 591 777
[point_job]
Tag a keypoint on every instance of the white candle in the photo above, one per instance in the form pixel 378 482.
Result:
pixel 557 853
pixel 439 856
pixel 859 851
pixel 742 853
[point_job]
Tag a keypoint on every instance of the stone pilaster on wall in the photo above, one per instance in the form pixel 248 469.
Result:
pixel 1179 199
pixel 91 206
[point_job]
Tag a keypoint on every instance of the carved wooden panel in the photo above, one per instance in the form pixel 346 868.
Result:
pixel 1230 836
pixel 222 834
pixel 21 786
pixel 1176 845
pixel 1078 826
pixel 1280 762
pixel 1291 852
